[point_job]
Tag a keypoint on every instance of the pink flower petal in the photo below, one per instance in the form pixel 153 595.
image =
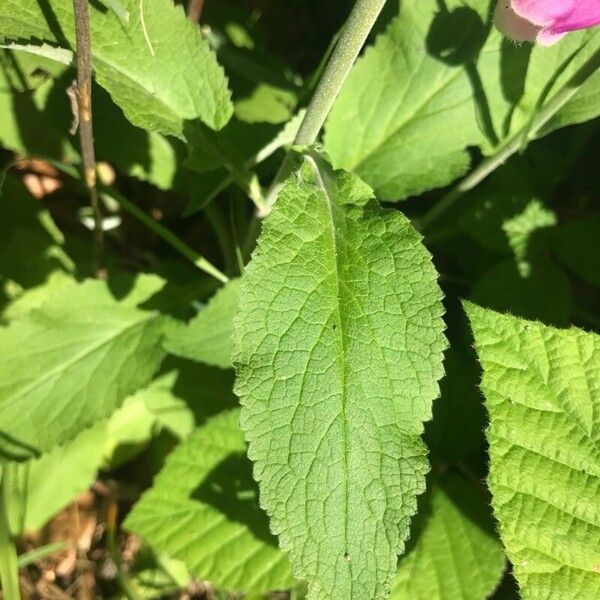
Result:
pixel 543 12
pixel 512 25
pixel 559 16
pixel 547 37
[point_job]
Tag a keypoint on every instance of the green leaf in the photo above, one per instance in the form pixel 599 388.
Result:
pixel 338 349
pixel 36 296
pixel 440 80
pixel 220 533
pixel 455 554
pixel 157 67
pixel 49 483
pixel 207 338
pixel 542 394
pixel 27 106
pixel 521 228
pixel 389 124
pixel 71 362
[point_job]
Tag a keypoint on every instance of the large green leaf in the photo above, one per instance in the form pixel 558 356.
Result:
pixel 542 392
pixel 338 349
pixel 208 337
pixel 72 361
pixel 440 80
pixel 203 510
pixel 455 555
pixel 156 66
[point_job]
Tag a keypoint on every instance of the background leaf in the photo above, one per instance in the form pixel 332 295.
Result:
pixel 207 337
pixel 541 389
pixel 441 79
pixel 71 362
pixel 220 532
pixel 160 84
pixel 455 553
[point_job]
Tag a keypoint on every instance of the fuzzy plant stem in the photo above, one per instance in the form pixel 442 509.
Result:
pixel 352 38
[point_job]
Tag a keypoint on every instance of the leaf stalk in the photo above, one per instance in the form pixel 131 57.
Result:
pixel 352 38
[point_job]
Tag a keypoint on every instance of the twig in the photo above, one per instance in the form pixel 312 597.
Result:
pixel 168 236
pixel 194 11
pixel 86 131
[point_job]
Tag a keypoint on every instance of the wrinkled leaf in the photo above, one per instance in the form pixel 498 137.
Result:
pixel 338 349
pixel 542 394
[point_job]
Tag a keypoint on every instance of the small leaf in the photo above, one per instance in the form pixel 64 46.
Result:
pixel 207 338
pixel 338 349
pixel 220 532
pixel 455 553
pixel 542 394
pixel 71 362
pixel 49 483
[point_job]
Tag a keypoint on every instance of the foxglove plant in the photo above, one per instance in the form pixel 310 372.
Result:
pixel 545 21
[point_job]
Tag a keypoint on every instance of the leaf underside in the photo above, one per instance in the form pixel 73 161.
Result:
pixel 338 349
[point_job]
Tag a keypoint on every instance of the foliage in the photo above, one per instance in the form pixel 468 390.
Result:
pixel 541 387
pixel 264 377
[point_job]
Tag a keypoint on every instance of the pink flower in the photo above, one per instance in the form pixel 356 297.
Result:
pixel 545 21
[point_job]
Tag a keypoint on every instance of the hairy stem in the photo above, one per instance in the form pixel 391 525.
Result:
pixel 9 569
pixel 86 130
pixel 352 39
pixel 512 145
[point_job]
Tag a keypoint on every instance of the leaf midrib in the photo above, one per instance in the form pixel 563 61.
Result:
pixel 341 345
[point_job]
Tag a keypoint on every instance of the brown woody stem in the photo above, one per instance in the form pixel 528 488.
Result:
pixel 86 130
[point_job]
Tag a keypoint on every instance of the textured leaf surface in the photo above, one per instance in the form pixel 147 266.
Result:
pixel 219 530
pixel 208 337
pixel 440 80
pixel 338 350
pixel 160 82
pixel 71 362
pixel 456 555
pixel 542 389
